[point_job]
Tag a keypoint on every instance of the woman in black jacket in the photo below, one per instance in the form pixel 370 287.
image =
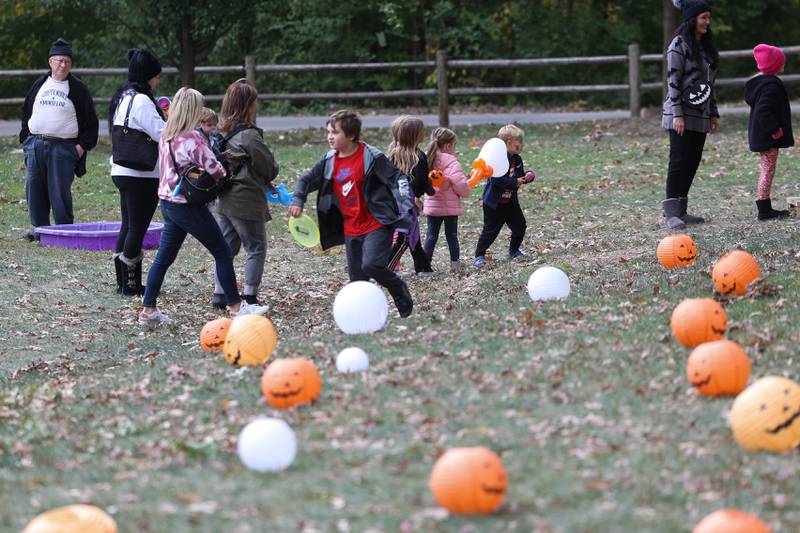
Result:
pixel 770 126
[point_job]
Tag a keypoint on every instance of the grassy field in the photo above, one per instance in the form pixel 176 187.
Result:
pixel 585 399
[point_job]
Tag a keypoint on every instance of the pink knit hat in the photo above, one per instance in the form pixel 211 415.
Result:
pixel 769 59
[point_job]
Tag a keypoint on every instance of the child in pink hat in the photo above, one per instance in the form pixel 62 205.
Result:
pixel 770 127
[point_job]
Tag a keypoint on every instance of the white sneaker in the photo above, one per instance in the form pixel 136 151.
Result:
pixel 250 309
pixel 155 318
pixel 426 274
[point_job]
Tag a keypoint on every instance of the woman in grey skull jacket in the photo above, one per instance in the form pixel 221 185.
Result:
pixel 691 60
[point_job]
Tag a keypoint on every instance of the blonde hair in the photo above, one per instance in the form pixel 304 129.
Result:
pixel 407 132
pixel 207 115
pixel 439 138
pixel 184 113
pixel 237 105
pixel 510 132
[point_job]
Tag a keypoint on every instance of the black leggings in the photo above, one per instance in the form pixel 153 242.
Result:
pixel 138 199
pixel 685 153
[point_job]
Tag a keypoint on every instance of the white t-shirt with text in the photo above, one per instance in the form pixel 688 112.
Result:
pixel 53 112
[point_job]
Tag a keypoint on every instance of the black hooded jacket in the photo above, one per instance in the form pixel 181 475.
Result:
pixel 769 113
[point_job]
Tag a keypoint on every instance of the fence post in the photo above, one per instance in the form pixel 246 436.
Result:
pixel 250 68
pixel 441 87
pixel 634 80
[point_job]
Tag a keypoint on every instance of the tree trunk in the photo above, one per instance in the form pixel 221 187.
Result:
pixel 186 66
pixel 670 22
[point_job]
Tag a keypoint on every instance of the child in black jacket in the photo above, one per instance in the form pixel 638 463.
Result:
pixel 362 198
pixel 770 126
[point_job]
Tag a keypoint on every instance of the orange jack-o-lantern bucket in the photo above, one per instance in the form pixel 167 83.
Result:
pixel 676 251
pixel 212 336
pixel 718 368
pixel 72 519
pixel 250 340
pixel 289 382
pixel 731 521
pixel 734 271
pixel 698 320
pixel 469 480
pixel 766 416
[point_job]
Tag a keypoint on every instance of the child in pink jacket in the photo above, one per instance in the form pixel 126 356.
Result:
pixel 445 206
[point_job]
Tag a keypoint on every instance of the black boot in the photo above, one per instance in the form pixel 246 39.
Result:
pixel 131 276
pixel 119 269
pixel 765 211
pixel 218 301
pixel 689 219
pixel 137 277
pixel 252 299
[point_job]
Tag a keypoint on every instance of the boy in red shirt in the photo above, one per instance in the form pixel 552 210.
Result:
pixel 362 198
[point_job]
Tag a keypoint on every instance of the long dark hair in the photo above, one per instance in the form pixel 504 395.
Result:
pixel 687 31
pixel 135 86
pixel 237 105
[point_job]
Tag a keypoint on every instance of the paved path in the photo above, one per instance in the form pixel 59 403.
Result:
pixel 8 127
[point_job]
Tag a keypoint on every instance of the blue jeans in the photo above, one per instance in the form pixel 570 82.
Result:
pixel 450 233
pixel 197 221
pixel 50 170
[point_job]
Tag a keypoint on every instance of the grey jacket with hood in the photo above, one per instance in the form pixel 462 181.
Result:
pixel 386 190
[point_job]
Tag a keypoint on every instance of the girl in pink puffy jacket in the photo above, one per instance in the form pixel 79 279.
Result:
pixel 445 206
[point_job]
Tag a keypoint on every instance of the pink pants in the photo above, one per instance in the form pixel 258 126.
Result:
pixel 769 161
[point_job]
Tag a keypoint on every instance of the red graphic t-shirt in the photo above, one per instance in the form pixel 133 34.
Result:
pixel 348 184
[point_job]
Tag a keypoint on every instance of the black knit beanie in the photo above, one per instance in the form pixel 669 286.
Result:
pixel 142 65
pixel 60 47
pixel 691 8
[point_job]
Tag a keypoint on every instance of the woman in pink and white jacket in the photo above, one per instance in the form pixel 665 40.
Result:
pixel 181 218
pixel 445 206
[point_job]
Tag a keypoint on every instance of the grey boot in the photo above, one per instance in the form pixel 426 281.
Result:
pixel 119 269
pixel 689 219
pixel 672 212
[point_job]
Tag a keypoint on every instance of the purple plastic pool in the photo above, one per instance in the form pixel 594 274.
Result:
pixel 93 235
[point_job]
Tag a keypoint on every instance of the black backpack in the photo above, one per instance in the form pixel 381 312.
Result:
pixel 223 145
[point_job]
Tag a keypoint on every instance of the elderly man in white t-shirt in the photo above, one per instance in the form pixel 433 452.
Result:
pixel 59 125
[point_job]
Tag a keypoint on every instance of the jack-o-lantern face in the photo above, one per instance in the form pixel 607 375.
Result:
pixel 718 368
pixel 676 250
pixel 72 519
pixel 766 416
pixel 731 521
pixel 698 320
pixel 469 480
pixel 212 336
pixel 250 341
pixel 289 382
pixel 734 272
pixel 436 177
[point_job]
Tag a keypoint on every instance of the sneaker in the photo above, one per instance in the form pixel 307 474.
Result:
pixel 154 319
pixel 428 274
pixel 517 255
pixel 250 309
pixel 455 267
pixel 218 301
pixel 31 236
pixel 480 261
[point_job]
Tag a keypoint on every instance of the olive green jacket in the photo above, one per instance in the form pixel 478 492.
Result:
pixel 245 198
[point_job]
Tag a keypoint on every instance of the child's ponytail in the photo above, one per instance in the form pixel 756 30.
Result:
pixel 439 137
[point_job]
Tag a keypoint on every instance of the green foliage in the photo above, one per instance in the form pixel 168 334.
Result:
pixel 186 33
